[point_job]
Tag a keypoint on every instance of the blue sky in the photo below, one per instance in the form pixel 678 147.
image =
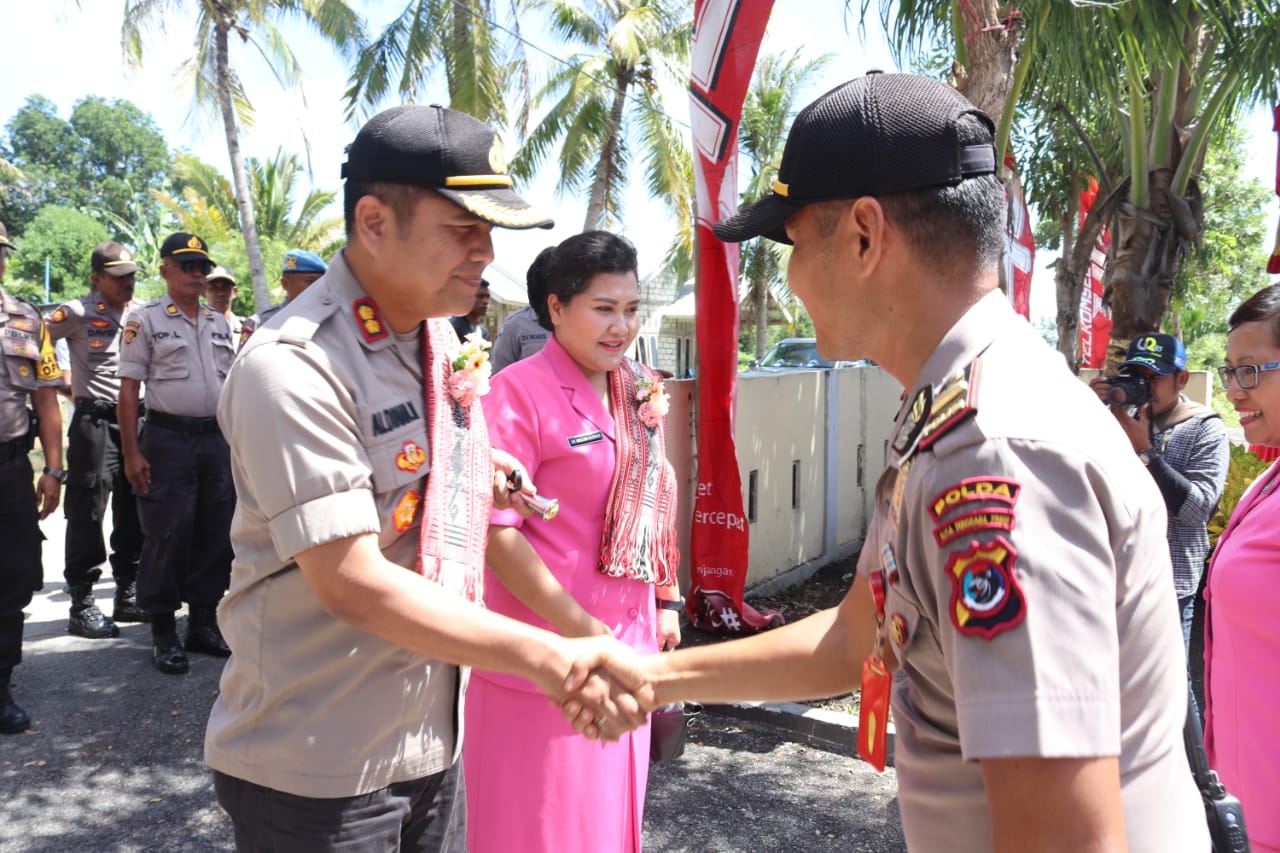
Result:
pixel 65 52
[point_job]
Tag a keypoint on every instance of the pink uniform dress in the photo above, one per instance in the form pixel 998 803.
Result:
pixel 532 783
pixel 1242 659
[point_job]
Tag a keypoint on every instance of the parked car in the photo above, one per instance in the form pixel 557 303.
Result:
pixel 797 354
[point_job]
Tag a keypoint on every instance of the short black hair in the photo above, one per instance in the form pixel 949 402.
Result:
pixel 535 281
pixel 1263 306
pixel 401 198
pixel 579 259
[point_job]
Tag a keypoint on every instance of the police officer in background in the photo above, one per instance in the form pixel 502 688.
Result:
pixel 1015 574
pixel 91 326
pixel 30 373
pixel 522 335
pixel 179 467
pixel 219 292
pixel 299 269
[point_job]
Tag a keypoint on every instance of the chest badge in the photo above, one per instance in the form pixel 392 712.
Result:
pixel 99 323
pixel 406 511
pixel 898 630
pixel 97 343
pixel 410 457
pixel 586 438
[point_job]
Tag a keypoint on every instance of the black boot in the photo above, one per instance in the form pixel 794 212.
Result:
pixel 13 720
pixel 125 608
pixel 203 634
pixel 86 619
pixel 166 651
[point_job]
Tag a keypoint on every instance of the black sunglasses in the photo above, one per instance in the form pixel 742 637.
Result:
pixel 205 267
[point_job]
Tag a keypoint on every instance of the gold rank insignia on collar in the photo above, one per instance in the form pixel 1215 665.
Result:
pixel 101 306
pixel 371 325
pixel 171 309
pixel 921 406
pixel 955 400
pixel 207 312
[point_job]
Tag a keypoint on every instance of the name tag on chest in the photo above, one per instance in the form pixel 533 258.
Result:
pixel 586 438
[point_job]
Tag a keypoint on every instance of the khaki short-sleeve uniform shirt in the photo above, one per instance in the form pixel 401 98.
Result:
pixel 29 363
pixel 324 413
pixel 1029 600
pixel 183 360
pixel 92 329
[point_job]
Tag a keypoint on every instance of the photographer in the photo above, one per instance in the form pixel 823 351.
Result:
pixel 1183 445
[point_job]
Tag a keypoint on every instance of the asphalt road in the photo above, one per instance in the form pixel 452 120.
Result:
pixel 113 761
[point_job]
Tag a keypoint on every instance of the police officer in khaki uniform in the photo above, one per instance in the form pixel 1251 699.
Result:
pixel 1017 549
pixel 30 372
pixel 220 290
pixel 179 467
pixel 299 269
pixel 91 325
pixel 364 489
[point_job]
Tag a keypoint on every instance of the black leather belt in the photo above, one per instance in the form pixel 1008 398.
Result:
pixel 101 409
pixel 182 423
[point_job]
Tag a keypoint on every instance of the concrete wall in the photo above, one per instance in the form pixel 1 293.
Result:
pixel 811 506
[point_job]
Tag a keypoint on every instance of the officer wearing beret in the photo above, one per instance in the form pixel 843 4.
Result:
pixel 179 467
pixel 30 374
pixel 91 326
pixel 364 485
pixel 1015 573
pixel 219 292
pixel 299 269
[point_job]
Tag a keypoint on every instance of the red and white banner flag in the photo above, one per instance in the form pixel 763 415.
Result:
pixel 726 39
pixel 1019 244
pixel 1095 316
pixel 1273 265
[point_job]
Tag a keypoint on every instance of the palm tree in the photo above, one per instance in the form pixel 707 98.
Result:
pixel 601 98
pixel 456 36
pixel 1153 80
pixel 766 114
pixel 207 204
pixel 215 83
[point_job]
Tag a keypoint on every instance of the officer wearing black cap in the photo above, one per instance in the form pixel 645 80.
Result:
pixel 30 373
pixel 179 467
pixel 1015 573
pixel 91 325
pixel 364 487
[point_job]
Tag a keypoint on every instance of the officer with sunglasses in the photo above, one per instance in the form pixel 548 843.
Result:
pixel 179 466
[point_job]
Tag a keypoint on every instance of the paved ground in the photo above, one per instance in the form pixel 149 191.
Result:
pixel 113 762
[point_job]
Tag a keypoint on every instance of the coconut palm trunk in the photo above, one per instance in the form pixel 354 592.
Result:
pixel 608 154
pixel 244 204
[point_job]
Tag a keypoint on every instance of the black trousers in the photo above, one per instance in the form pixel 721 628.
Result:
pixel 427 815
pixel 95 468
pixel 186 520
pixel 21 572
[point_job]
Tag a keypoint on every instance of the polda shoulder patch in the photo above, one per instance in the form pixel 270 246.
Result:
pixel 986 598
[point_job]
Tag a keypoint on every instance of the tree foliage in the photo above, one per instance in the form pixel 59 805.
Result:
pixel 65 237
pixel 108 157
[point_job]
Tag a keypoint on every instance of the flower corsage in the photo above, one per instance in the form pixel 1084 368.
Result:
pixel 653 399
pixel 471 370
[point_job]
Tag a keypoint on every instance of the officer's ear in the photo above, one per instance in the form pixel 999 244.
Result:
pixel 1183 376
pixel 373 220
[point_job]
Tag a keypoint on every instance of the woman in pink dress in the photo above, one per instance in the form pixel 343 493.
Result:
pixel 1242 625
pixel 588 425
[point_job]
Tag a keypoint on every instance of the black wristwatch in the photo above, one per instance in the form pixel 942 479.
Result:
pixel 667 604
pixel 57 474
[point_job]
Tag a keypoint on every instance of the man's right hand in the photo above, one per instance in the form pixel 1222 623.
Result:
pixel 625 673
pixel 138 471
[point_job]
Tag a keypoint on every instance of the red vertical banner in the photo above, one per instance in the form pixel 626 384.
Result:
pixel 1019 244
pixel 1095 316
pixel 727 35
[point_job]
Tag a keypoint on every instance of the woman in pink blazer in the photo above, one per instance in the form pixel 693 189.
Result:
pixel 1242 625
pixel 587 424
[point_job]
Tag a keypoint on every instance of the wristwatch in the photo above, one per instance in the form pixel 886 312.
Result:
pixel 1148 455
pixel 57 474
pixel 676 604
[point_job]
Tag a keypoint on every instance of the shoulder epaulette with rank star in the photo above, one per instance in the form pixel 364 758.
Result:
pixel 955 400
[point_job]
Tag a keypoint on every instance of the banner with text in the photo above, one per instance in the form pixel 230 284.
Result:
pixel 1095 316
pixel 726 39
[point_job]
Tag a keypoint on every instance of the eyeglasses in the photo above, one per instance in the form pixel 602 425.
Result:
pixel 1245 375
pixel 191 266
